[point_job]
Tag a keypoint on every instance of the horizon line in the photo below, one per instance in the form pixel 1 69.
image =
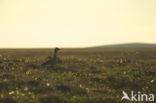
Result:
pixel 48 47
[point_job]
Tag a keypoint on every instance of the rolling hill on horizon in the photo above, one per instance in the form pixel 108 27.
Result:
pixel 128 45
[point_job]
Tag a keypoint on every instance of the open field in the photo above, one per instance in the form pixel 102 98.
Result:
pixel 82 76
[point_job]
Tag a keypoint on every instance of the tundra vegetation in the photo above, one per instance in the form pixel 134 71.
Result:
pixel 81 76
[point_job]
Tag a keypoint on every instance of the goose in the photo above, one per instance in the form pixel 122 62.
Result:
pixel 52 60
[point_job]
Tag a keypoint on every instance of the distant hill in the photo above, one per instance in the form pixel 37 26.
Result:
pixel 128 45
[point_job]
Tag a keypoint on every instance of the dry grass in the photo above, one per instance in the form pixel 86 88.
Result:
pixel 83 75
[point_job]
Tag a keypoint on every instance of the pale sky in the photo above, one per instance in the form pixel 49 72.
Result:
pixel 76 23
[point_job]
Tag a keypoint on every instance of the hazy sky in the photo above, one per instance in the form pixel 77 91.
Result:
pixel 76 23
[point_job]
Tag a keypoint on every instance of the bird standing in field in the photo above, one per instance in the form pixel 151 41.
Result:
pixel 52 60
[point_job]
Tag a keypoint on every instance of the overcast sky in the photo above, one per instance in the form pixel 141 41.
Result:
pixel 76 23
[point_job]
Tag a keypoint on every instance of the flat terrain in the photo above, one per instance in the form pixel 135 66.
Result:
pixel 81 76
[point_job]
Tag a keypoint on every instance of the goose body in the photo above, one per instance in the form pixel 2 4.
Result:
pixel 52 60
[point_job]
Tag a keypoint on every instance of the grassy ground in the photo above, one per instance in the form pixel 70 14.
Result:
pixel 82 76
